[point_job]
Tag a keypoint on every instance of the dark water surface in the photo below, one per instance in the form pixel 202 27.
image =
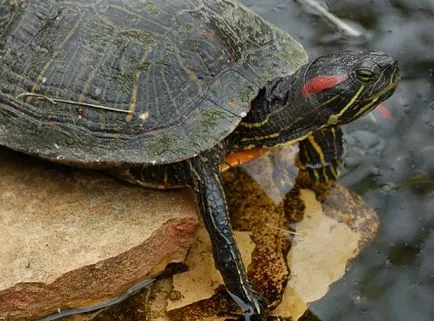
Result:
pixel 389 156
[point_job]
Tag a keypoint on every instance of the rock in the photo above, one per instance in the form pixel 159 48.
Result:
pixel 323 246
pixel 74 238
pixel 293 245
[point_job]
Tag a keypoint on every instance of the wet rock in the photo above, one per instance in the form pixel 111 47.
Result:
pixel 75 238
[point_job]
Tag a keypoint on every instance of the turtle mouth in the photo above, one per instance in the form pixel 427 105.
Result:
pixel 390 88
pixel 396 76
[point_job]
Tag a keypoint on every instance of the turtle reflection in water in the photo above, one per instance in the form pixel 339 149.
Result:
pixel 161 92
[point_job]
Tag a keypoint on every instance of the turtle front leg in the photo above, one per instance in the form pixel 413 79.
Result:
pixel 321 154
pixel 206 181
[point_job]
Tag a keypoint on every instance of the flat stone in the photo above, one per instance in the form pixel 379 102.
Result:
pixel 293 246
pixel 74 238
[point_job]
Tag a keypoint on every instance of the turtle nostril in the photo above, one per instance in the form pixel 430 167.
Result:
pixel 382 59
pixel 388 61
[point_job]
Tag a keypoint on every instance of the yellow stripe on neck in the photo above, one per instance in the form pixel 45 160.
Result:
pixel 334 118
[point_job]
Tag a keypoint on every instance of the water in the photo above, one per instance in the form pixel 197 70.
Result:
pixel 388 155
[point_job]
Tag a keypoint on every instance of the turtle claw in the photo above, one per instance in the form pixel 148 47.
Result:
pixel 253 317
pixel 255 310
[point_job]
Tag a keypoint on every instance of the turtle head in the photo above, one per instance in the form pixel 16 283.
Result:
pixel 349 84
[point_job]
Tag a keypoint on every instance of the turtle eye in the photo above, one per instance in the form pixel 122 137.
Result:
pixel 365 75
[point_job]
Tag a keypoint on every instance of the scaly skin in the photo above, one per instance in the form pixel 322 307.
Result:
pixel 206 181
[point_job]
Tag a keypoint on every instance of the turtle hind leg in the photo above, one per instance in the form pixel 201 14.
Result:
pixel 163 176
pixel 206 181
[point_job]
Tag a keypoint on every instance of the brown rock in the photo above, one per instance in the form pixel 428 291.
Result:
pixel 293 245
pixel 294 248
pixel 73 238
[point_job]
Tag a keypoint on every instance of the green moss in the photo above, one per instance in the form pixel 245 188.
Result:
pixel 211 120
pixel 188 27
pixel 150 8
pixel 165 143
pixel 246 95
pixel 131 64
pixel 141 36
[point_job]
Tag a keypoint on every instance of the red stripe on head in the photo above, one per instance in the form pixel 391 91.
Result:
pixel 319 83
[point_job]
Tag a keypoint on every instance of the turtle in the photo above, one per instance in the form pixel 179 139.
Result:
pixel 161 92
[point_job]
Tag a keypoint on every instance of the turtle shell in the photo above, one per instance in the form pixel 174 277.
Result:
pixel 135 82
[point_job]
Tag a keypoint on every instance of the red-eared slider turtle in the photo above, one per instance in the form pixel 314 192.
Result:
pixel 164 90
